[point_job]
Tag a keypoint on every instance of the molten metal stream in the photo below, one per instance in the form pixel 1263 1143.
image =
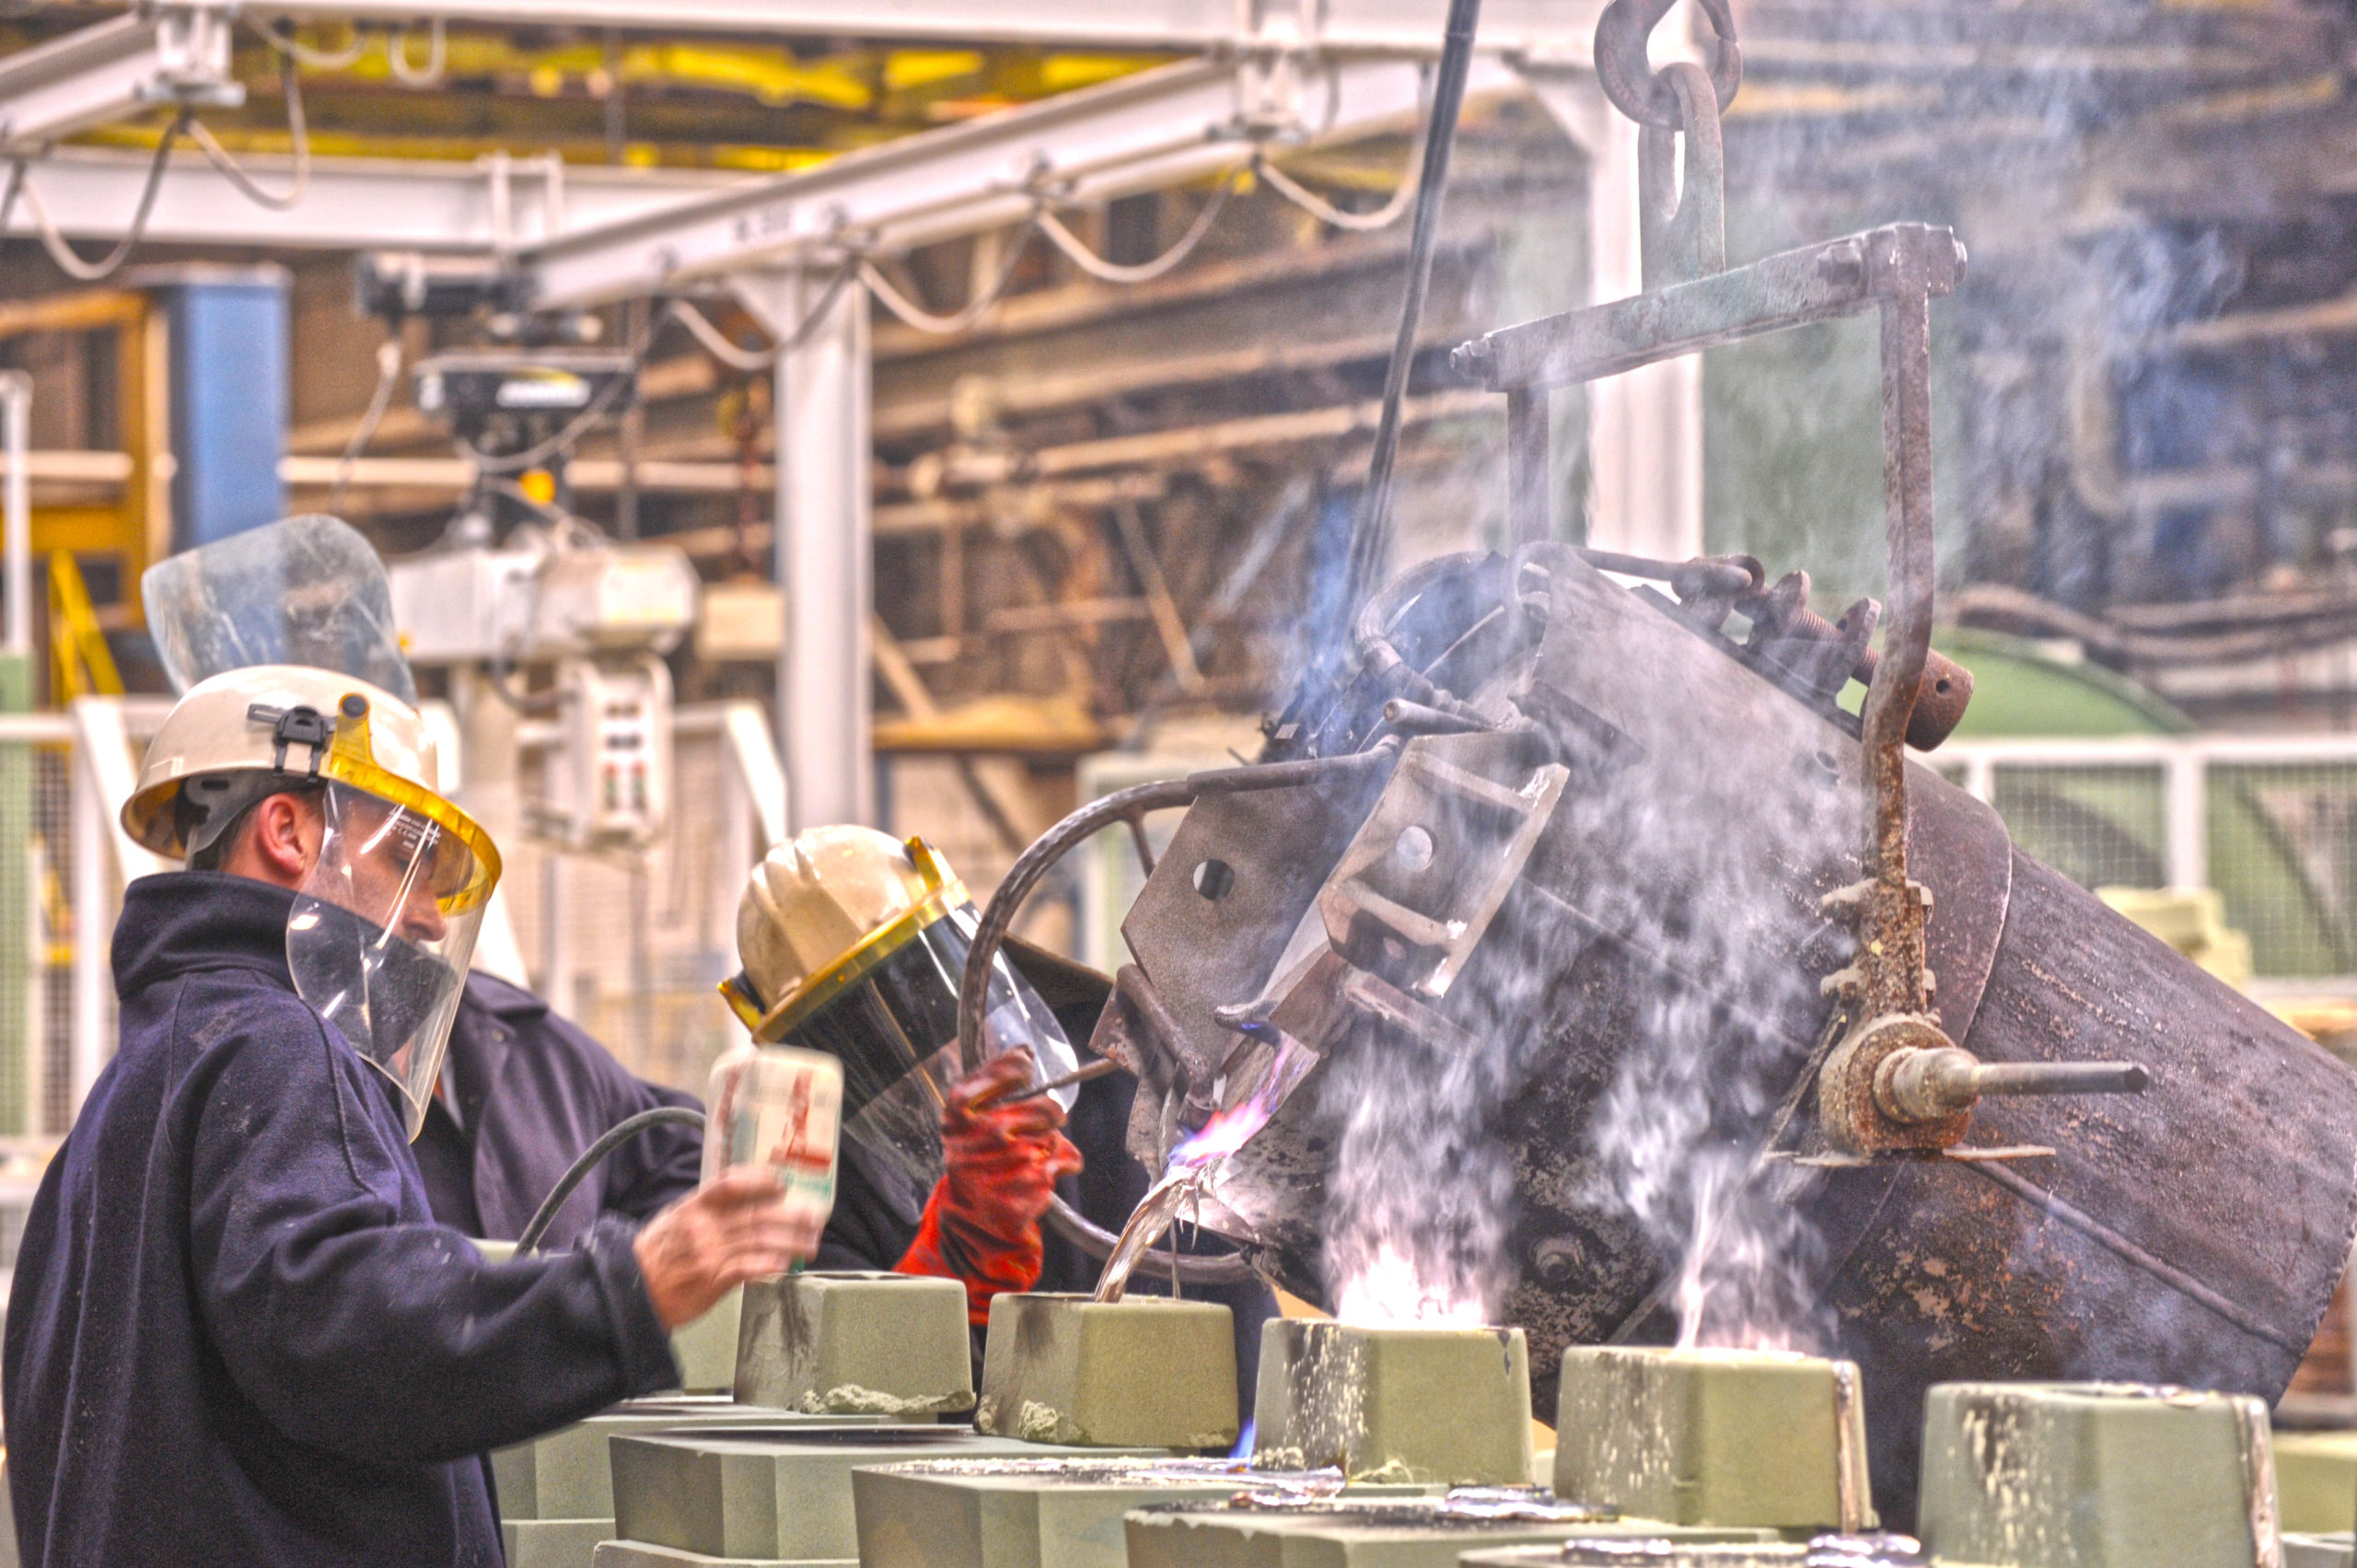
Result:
pixel 1197 1160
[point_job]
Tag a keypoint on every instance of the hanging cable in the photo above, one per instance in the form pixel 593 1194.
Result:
pixel 924 320
pixel 437 55
pixel 16 186
pixel 53 242
pixel 389 375
pixel 1325 211
pixel 715 342
pixel 1371 537
pixel 299 133
pixel 621 1133
pixel 1097 267
pixel 318 59
pixel 572 531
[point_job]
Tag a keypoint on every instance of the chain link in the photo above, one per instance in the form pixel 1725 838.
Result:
pixel 1625 69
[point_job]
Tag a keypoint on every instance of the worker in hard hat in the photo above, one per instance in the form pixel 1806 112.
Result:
pixel 234 1334
pixel 854 943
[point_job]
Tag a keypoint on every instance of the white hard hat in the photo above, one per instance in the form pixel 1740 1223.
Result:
pixel 824 908
pixel 856 944
pixel 380 929
pixel 249 732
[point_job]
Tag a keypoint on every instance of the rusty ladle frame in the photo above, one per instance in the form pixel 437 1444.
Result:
pixel 1893 1081
pixel 1896 272
pixel 1693 303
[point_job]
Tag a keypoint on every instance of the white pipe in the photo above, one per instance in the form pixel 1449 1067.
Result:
pixel 91 916
pixel 17 509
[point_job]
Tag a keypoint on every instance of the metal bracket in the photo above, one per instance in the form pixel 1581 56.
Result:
pixel 176 54
pixel 301 725
pixel 1683 231
pixel 1415 891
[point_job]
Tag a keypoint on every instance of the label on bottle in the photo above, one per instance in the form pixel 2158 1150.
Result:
pixel 778 1107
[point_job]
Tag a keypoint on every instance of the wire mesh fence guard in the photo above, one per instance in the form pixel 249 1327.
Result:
pixel 2102 827
pixel 2269 823
pixel 2283 842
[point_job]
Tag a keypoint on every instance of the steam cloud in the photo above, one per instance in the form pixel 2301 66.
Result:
pixel 1418 1198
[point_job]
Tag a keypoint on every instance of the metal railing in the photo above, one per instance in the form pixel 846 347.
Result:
pixel 2270 822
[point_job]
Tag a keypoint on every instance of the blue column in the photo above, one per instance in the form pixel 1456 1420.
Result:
pixel 229 370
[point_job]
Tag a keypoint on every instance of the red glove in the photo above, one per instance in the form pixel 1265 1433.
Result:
pixel 982 1224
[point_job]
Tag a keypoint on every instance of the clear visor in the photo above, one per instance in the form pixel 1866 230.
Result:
pixel 302 590
pixel 896 1033
pixel 382 929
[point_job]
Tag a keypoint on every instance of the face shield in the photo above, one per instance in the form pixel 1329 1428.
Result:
pixel 382 928
pixel 888 1011
pixel 306 590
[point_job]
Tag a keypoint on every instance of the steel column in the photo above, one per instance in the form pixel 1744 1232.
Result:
pixel 822 543
pixel 229 395
pixel 1644 439
pixel 16 531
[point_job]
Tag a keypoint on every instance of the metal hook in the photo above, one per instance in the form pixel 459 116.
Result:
pixel 1625 69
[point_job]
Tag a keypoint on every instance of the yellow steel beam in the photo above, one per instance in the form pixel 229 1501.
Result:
pixel 84 530
pixel 143 379
pixel 138 529
pixel 464 149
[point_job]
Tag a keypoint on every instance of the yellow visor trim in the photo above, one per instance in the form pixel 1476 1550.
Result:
pixel 737 991
pixel 466 864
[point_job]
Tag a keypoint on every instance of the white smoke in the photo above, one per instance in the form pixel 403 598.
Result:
pixel 1418 1197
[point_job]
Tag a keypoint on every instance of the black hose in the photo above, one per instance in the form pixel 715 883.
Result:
pixel 974 983
pixel 1211 1270
pixel 1370 541
pixel 616 1136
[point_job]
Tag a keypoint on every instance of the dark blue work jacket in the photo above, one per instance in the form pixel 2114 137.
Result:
pixel 523 1093
pixel 236 1337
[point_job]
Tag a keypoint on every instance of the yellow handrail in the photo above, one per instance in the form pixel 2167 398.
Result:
pixel 82 664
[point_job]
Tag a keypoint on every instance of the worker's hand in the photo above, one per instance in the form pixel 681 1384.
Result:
pixel 1001 1162
pixel 717 1238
